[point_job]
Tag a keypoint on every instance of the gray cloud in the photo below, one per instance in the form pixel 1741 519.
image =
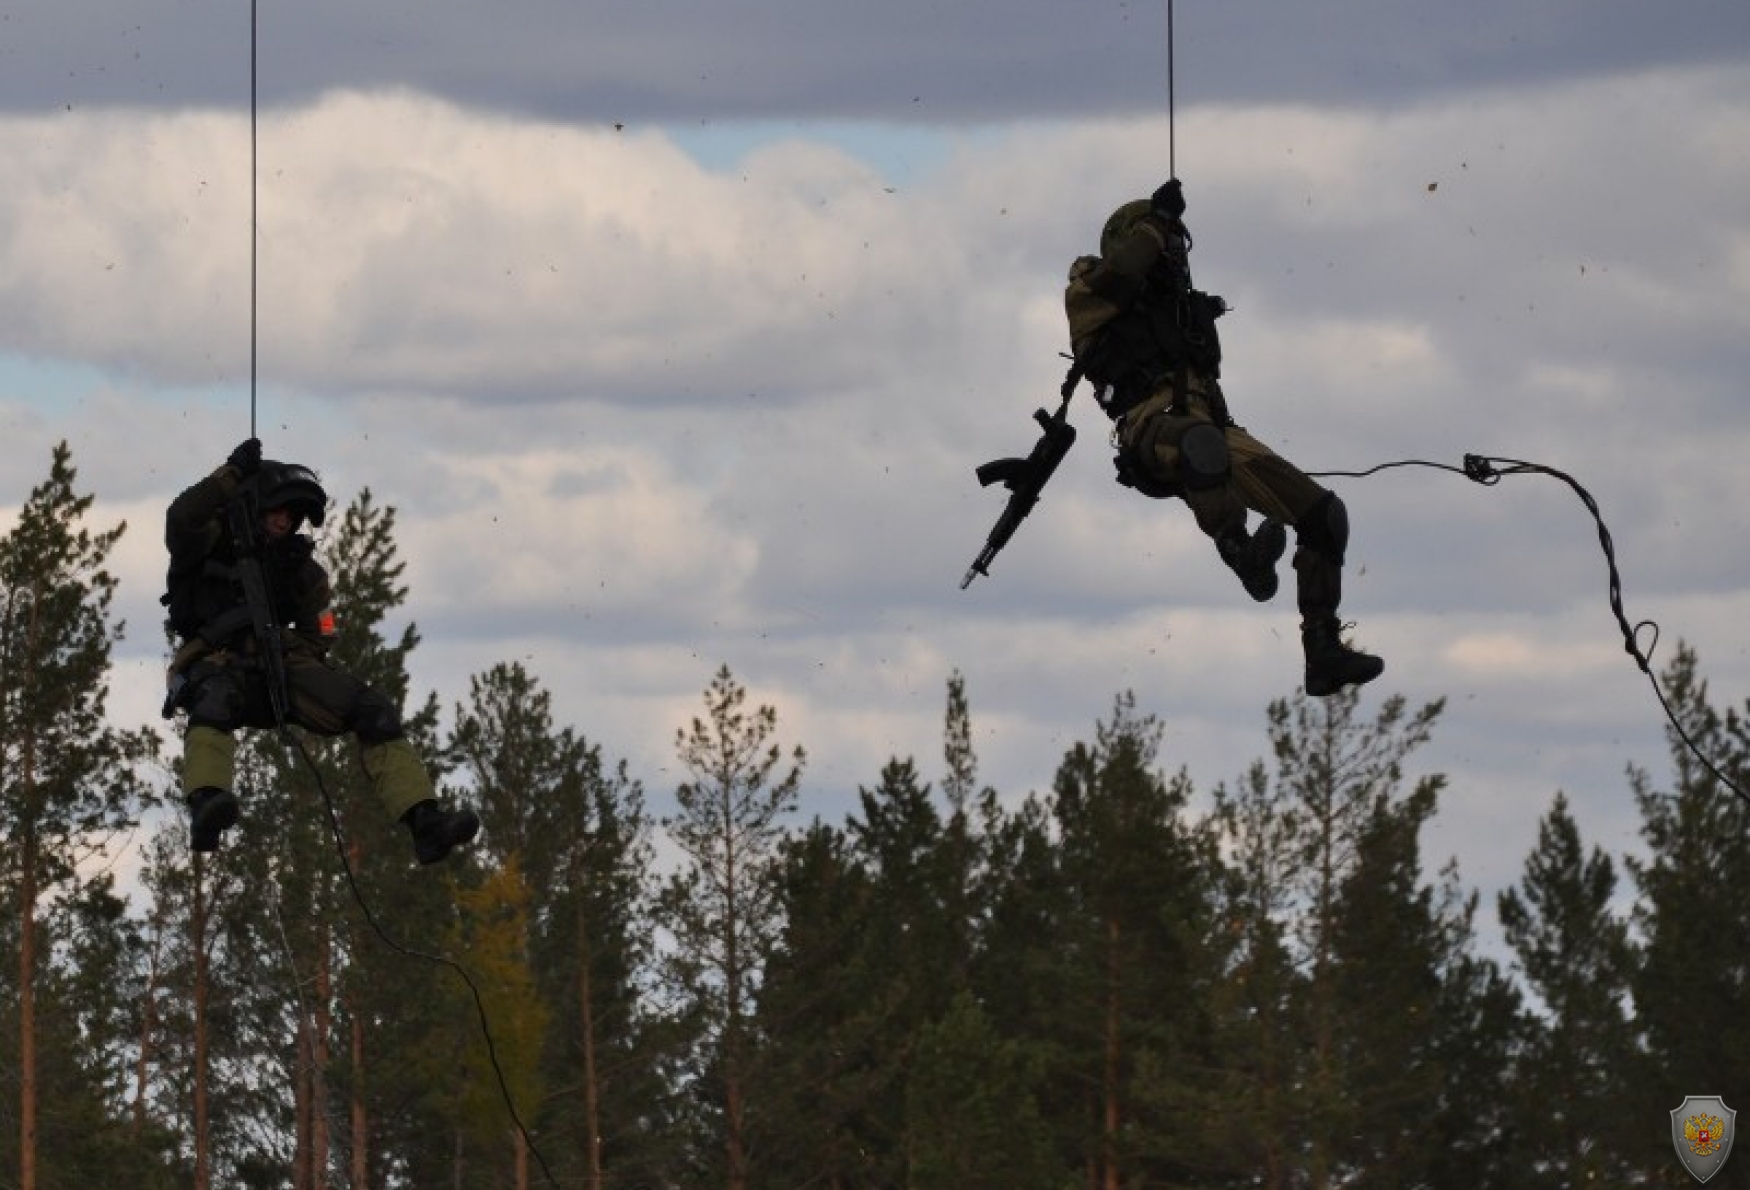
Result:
pixel 643 416
pixel 978 61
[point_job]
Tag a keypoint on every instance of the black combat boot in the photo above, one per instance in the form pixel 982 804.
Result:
pixel 1254 557
pixel 211 812
pixel 437 830
pixel 1331 664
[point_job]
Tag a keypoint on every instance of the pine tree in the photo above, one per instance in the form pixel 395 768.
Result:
pixel 1575 955
pixel 1140 953
pixel 1478 1043
pixel 1692 914
pixel 1388 949
pixel 822 1014
pixel 722 904
pixel 1018 967
pixel 875 946
pixel 66 775
pixel 1341 777
pixel 579 832
pixel 973 1122
pixel 91 985
pixel 493 930
pixel 1260 1005
pixel 962 855
pixel 384 1026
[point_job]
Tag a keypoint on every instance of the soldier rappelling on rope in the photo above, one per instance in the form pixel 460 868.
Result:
pixel 252 609
pixel 1146 337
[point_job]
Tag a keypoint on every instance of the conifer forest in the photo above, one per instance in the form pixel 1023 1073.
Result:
pixel 1112 981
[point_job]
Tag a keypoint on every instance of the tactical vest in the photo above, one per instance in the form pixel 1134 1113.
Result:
pixel 1131 348
pixel 208 601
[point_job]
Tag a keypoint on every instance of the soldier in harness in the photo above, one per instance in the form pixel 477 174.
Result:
pixel 234 545
pixel 1147 340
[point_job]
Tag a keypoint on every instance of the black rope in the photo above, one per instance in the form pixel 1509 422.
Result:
pixel 292 742
pixel 254 216
pixel 1488 471
pixel 290 739
pixel 1172 133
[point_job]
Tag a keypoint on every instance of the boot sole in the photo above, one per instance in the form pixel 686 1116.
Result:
pixel 1272 539
pixel 431 851
pixel 1323 688
pixel 207 825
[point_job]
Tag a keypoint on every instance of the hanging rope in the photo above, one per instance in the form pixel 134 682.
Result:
pixel 254 216
pixel 358 895
pixel 1488 470
pixel 1172 133
pixel 287 736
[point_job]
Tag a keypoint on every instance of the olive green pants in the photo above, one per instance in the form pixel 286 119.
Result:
pixel 227 691
pixel 1260 479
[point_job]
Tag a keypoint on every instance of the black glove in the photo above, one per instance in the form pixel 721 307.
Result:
pixel 1169 200
pixel 247 457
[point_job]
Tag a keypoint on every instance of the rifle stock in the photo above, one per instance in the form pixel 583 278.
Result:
pixel 1025 479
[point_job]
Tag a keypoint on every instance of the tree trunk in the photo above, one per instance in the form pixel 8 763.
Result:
pixel 319 1059
pixel 1109 1074
pixel 1270 1093
pixel 148 1026
pixel 592 1125
pixel 1319 1159
pixel 202 1142
pixel 27 1010
pixel 360 1118
pixel 27 893
pixel 735 1145
pixel 302 1177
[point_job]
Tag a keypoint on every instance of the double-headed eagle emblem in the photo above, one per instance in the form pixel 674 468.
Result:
pixel 1703 1133
pixel 1701 1130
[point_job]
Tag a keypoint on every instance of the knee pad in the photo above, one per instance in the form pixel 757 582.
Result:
pixel 1203 457
pixel 375 719
pixel 215 699
pixel 1325 530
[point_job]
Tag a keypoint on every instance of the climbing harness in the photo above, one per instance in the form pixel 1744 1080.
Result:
pixel 1488 470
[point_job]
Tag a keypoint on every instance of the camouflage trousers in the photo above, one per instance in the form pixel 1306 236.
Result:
pixel 1259 480
pixel 227 690
pixel 1148 437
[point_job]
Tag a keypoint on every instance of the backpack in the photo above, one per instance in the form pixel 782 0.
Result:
pixel 1087 311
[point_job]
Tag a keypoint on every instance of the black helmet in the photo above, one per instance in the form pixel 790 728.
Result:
pixel 293 486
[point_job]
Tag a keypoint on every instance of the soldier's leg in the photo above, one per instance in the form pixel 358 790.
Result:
pixel 331 702
pixel 1321 523
pixel 215 698
pixel 1196 453
pixel 1186 452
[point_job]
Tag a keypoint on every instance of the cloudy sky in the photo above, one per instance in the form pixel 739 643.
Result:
pixel 675 330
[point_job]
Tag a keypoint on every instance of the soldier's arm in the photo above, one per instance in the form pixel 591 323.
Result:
pixel 315 604
pixel 1123 272
pixel 192 525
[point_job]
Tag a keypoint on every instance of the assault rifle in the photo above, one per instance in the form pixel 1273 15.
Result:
pixel 1026 478
pixel 244 516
